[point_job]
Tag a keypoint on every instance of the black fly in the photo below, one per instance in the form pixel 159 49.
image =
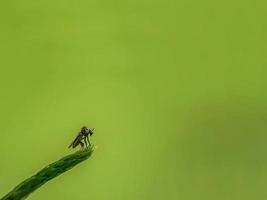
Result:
pixel 83 136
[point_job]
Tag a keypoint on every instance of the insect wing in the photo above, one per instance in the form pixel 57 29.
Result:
pixel 76 141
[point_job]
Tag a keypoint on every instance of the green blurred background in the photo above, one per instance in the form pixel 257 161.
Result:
pixel 176 91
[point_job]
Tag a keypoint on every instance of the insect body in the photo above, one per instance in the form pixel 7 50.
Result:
pixel 83 136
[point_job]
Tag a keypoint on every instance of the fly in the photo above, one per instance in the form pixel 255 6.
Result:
pixel 82 137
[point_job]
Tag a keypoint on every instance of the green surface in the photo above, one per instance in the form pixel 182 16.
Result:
pixel 176 92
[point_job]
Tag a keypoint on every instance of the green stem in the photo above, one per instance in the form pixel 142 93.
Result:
pixel 51 171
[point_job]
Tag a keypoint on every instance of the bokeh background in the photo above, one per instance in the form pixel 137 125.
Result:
pixel 176 91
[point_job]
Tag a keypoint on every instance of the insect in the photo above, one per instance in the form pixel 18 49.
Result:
pixel 83 136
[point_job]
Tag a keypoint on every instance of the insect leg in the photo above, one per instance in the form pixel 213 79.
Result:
pixel 87 137
pixel 85 141
pixel 82 145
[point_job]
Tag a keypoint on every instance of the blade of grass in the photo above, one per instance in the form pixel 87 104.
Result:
pixel 51 171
